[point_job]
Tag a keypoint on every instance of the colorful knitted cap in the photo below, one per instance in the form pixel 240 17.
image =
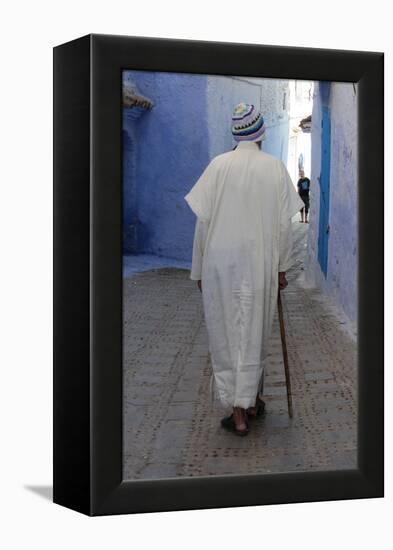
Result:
pixel 247 123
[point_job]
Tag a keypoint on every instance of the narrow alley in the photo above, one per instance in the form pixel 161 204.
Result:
pixel 171 420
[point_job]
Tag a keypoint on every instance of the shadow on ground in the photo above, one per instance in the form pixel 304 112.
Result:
pixel 44 491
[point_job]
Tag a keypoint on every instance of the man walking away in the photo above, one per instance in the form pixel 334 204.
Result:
pixel 303 188
pixel 244 202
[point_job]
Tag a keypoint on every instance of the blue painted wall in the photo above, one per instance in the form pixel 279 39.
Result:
pixel 340 281
pixel 171 144
pixel 168 147
pixel 130 216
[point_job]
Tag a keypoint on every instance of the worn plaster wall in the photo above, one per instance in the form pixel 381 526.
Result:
pixel 341 280
pixel 269 95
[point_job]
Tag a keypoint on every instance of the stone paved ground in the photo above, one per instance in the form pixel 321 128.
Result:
pixel 172 423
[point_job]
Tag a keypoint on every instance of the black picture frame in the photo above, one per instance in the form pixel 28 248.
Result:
pixel 88 274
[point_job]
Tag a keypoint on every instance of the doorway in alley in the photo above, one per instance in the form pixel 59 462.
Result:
pixel 324 183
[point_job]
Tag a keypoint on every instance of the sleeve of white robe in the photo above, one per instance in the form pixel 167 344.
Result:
pixel 286 242
pixel 201 200
pixel 201 229
pixel 290 204
pixel 201 197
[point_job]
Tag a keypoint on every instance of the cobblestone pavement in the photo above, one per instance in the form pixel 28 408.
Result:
pixel 172 424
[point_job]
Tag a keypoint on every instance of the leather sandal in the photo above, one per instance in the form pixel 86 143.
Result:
pixel 229 424
pixel 260 408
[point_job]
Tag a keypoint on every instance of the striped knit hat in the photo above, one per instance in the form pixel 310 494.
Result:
pixel 247 123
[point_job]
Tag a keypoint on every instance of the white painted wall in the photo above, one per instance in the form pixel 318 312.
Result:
pixel 300 106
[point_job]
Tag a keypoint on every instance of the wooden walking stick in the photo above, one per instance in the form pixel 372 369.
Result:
pixel 285 354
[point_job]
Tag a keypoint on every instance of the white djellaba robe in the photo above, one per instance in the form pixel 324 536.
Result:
pixel 244 202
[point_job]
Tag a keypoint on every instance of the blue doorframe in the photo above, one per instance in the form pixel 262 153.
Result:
pixel 324 196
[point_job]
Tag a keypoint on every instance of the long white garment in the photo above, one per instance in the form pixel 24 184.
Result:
pixel 244 202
